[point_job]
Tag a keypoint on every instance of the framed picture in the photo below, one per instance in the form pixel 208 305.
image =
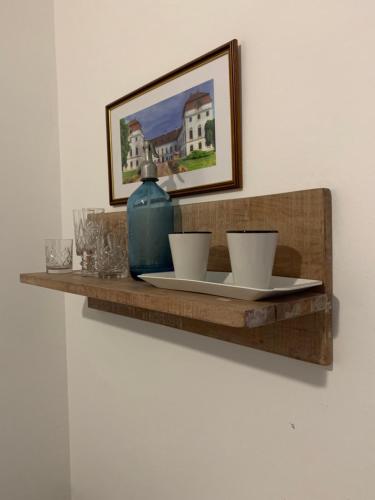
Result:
pixel 192 116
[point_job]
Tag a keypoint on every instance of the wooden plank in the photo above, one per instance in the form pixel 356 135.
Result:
pixel 301 338
pixel 217 310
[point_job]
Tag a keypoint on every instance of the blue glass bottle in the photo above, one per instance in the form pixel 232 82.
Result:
pixel 150 220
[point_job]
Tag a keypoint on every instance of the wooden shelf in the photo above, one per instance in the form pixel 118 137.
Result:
pixel 296 325
pixel 219 311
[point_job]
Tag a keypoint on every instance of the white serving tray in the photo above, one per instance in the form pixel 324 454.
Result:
pixel 222 284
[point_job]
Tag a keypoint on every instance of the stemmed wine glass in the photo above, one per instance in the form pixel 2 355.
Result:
pixel 86 231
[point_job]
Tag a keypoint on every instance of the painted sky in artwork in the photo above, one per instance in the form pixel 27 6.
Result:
pixel 166 115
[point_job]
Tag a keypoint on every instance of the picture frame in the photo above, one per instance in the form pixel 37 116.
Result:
pixel 192 116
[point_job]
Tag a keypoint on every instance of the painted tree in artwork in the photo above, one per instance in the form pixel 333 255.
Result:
pixel 125 144
pixel 209 133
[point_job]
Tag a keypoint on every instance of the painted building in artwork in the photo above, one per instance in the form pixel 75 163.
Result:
pixel 166 145
pixel 136 138
pixel 177 143
pixel 197 110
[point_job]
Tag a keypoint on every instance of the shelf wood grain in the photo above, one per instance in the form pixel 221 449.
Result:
pixel 219 311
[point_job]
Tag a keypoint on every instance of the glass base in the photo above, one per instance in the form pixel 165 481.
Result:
pixel 59 270
pixel 89 274
pixel 114 275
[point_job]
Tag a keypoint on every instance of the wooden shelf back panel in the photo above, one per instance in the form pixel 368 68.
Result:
pixel 303 219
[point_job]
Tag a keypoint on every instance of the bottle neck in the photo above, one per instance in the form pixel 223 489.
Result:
pixel 149 179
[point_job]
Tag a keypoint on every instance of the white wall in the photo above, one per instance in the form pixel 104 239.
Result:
pixel 34 461
pixel 158 413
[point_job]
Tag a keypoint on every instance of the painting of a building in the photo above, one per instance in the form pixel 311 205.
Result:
pixel 197 110
pixel 136 138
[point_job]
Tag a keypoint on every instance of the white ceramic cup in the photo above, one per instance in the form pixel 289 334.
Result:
pixel 252 254
pixel 190 254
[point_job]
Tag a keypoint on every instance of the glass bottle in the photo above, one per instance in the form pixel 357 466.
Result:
pixel 150 220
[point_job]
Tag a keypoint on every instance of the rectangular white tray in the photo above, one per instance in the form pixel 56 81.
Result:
pixel 221 284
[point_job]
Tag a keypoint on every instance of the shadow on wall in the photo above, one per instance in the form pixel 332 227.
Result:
pixel 307 373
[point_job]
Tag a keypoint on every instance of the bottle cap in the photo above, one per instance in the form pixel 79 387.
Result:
pixel 148 166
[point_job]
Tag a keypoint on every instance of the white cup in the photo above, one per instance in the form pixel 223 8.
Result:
pixel 190 254
pixel 252 254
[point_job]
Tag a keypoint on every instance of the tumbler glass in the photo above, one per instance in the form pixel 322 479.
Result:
pixel 58 255
pixel 111 250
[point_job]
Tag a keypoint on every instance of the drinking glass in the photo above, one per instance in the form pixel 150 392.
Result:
pixel 111 250
pixel 86 230
pixel 58 255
